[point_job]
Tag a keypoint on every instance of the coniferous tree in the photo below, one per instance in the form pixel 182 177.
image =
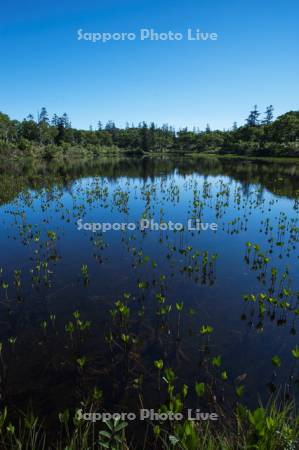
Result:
pixel 55 120
pixel 110 125
pixel 43 116
pixel 66 121
pixel 268 115
pixel 253 118
pixel 145 140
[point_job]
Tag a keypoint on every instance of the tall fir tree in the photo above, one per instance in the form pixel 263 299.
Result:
pixel 253 118
pixel 268 115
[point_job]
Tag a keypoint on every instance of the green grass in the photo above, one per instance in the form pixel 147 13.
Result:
pixel 275 427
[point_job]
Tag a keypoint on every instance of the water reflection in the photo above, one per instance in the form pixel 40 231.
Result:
pixel 82 309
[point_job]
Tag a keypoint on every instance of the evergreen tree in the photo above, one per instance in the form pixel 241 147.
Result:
pixel 110 125
pixel 268 115
pixel 253 118
pixel 43 116
pixel 145 140
pixel 55 120
pixel 61 126
pixel 66 121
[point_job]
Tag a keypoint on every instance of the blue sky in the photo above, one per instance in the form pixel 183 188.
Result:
pixel 255 60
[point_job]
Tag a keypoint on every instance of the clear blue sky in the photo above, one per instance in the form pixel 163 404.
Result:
pixel 255 60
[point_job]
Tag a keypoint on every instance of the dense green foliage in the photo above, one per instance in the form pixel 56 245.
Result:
pixel 56 138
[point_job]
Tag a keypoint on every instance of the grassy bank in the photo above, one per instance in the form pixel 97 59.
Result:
pixel 271 428
pixel 72 153
pixel 277 159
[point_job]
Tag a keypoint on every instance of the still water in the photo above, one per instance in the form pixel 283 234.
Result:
pixel 81 309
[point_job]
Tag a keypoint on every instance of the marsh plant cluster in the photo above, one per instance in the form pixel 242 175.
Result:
pixel 166 321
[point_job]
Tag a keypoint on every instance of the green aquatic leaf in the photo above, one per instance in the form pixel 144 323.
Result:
pixel 200 389
pixel 240 391
pixel 159 364
pixel 216 361
pixel 276 361
pixel 206 329
pixel 224 375
pixel 295 352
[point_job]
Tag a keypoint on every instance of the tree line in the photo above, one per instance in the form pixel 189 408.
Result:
pixel 259 136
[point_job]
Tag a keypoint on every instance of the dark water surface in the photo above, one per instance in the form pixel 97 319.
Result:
pixel 128 287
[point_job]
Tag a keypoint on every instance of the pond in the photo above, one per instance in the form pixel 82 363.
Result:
pixel 130 311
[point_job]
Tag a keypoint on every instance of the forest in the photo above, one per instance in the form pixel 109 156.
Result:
pixel 50 138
